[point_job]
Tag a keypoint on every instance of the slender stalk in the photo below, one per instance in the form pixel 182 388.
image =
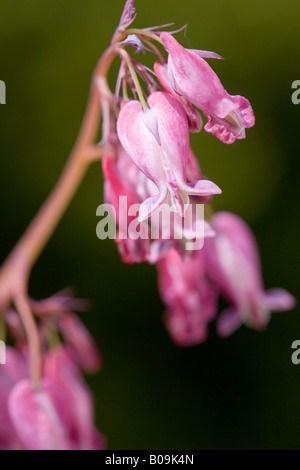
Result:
pixel 155 50
pixel 16 269
pixel 147 34
pixel 41 228
pixel 135 79
pixel 2 326
pixel 32 334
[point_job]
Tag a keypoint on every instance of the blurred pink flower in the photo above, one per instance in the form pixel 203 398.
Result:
pixel 11 373
pixel 233 265
pixel 58 416
pixel 189 298
pixel 80 342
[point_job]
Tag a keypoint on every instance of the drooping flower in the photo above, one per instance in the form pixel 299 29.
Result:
pixel 233 265
pixel 188 296
pixel 157 140
pixel 126 187
pixel 191 76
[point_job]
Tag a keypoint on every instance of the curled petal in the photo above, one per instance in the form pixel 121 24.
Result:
pixel 80 341
pixel 277 300
pixel 229 321
pixel 134 41
pixel 206 54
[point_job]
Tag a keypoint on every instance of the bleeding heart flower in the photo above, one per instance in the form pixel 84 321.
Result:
pixel 233 265
pixel 191 77
pixel 157 140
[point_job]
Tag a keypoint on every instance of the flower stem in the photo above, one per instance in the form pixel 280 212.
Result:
pixel 33 338
pixel 143 32
pixel 15 272
pixel 41 228
pixel 135 79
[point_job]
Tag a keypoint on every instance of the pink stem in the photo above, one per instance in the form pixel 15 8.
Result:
pixel 16 269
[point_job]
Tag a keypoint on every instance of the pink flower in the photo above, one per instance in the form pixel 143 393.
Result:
pixel 189 298
pixel 35 418
pixel 73 401
pixel 191 77
pixel 58 416
pixel 80 343
pixel 233 265
pixel 12 372
pixel 157 140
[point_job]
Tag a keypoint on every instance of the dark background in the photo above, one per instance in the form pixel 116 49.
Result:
pixel 242 392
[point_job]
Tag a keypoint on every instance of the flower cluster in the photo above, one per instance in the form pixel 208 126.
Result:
pixel 157 194
pixel 151 165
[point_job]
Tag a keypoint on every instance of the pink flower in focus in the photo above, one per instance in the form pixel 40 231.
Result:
pixel 233 265
pixel 190 76
pixel 157 140
pixel 189 298
pixel 193 116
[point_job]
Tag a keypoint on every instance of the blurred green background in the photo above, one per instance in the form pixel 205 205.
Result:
pixel 242 392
